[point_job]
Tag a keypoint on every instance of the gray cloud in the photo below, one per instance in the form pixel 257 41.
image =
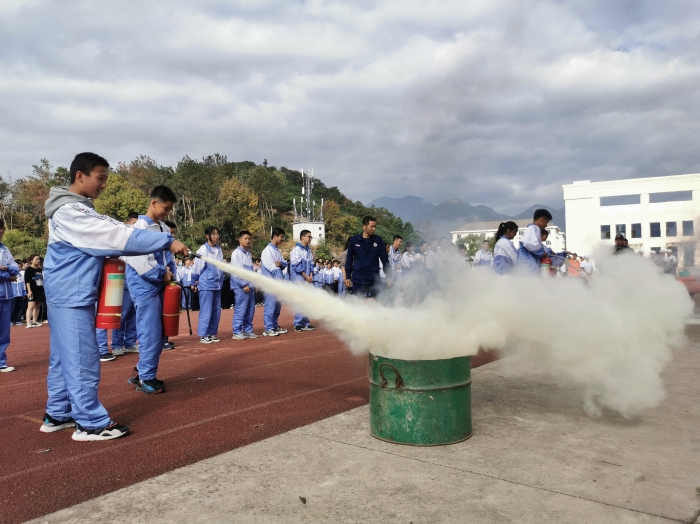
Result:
pixel 497 103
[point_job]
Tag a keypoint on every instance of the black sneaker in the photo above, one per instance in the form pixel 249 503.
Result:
pixel 107 357
pixel 152 387
pixel 308 327
pixel 298 329
pixel 168 346
pixel 134 379
pixel 51 424
pixel 280 330
pixel 90 435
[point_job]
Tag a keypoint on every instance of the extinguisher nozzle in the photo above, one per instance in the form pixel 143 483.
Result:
pixel 194 255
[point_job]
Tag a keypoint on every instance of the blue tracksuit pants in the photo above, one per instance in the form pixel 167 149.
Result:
pixel 125 336
pixel 149 330
pixel 102 343
pixel 5 316
pixel 272 311
pixel 74 368
pixel 243 311
pixel 341 287
pixel 209 312
pixel 186 298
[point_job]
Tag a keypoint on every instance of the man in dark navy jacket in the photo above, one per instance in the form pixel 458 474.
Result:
pixel 362 264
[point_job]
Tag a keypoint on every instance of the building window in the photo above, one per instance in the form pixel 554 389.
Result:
pixel 671 230
pixel 620 200
pixel 621 229
pixel 549 243
pixel 670 196
pixel 689 256
pixel 655 229
pixel 687 228
pixel 459 236
pixel 636 230
pixel 605 232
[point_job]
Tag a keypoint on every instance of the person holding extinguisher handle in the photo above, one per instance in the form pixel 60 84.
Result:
pixel 147 276
pixel 208 280
pixel 79 240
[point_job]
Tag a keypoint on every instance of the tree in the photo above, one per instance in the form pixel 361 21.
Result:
pixel 473 243
pixel 239 205
pixel 23 245
pixel 120 198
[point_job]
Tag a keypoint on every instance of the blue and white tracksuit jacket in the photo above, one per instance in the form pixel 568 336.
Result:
pixel 209 279
pixel 244 307
pixel 483 258
pixel 505 256
pixel 7 293
pixel 269 258
pixel 318 277
pixel 531 250
pixel 301 260
pixel 79 240
pixel 144 276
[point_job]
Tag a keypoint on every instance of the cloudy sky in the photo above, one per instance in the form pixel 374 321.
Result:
pixel 496 102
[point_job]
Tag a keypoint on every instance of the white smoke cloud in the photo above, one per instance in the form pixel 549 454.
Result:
pixel 613 337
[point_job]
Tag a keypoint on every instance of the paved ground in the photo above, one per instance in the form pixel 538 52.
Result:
pixel 220 397
pixel 535 457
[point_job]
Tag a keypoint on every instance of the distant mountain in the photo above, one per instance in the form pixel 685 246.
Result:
pixel 452 214
pixel 409 208
pixel 558 215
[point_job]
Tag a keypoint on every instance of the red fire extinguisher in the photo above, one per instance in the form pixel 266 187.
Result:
pixel 545 266
pixel 171 310
pixel 109 305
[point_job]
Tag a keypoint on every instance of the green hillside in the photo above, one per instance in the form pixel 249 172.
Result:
pixel 211 191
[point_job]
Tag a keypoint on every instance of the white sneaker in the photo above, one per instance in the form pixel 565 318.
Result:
pixel 6 369
pixel 30 325
pixel 91 435
pixel 131 349
pixel 204 340
pixel 212 338
pixel 239 336
pixel 280 330
pixel 251 335
pixel 270 333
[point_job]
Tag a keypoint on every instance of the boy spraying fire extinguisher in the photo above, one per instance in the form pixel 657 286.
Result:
pixel 147 276
pixel 79 240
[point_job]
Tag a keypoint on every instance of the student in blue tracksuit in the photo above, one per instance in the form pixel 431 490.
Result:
pixel 244 295
pixel 124 338
pixel 395 261
pixel 301 263
pixel 208 280
pixel 9 272
pixel 147 276
pixel 362 264
pixel 505 257
pixel 19 302
pixel 186 281
pixel 531 248
pixel 318 274
pixel 79 240
pixel 273 264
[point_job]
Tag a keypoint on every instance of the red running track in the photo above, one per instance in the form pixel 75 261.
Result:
pixel 219 397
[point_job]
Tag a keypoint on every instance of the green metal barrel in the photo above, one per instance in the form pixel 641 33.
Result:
pixel 420 402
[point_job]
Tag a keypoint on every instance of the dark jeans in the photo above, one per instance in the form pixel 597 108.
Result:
pixel 19 306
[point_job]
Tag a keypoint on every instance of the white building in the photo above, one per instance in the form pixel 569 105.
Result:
pixel 652 213
pixel 556 240
pixel 318 231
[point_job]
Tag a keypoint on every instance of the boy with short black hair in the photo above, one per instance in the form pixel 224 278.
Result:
pixel 79 240
pixel 206 281
pixel 147 277
pixel 244 305
pixel 365 250
pixel 273 264
pixel 301 263
pixel 531 248
pixel 8 275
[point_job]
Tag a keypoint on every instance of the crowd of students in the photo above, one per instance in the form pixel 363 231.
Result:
pixel 80 239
